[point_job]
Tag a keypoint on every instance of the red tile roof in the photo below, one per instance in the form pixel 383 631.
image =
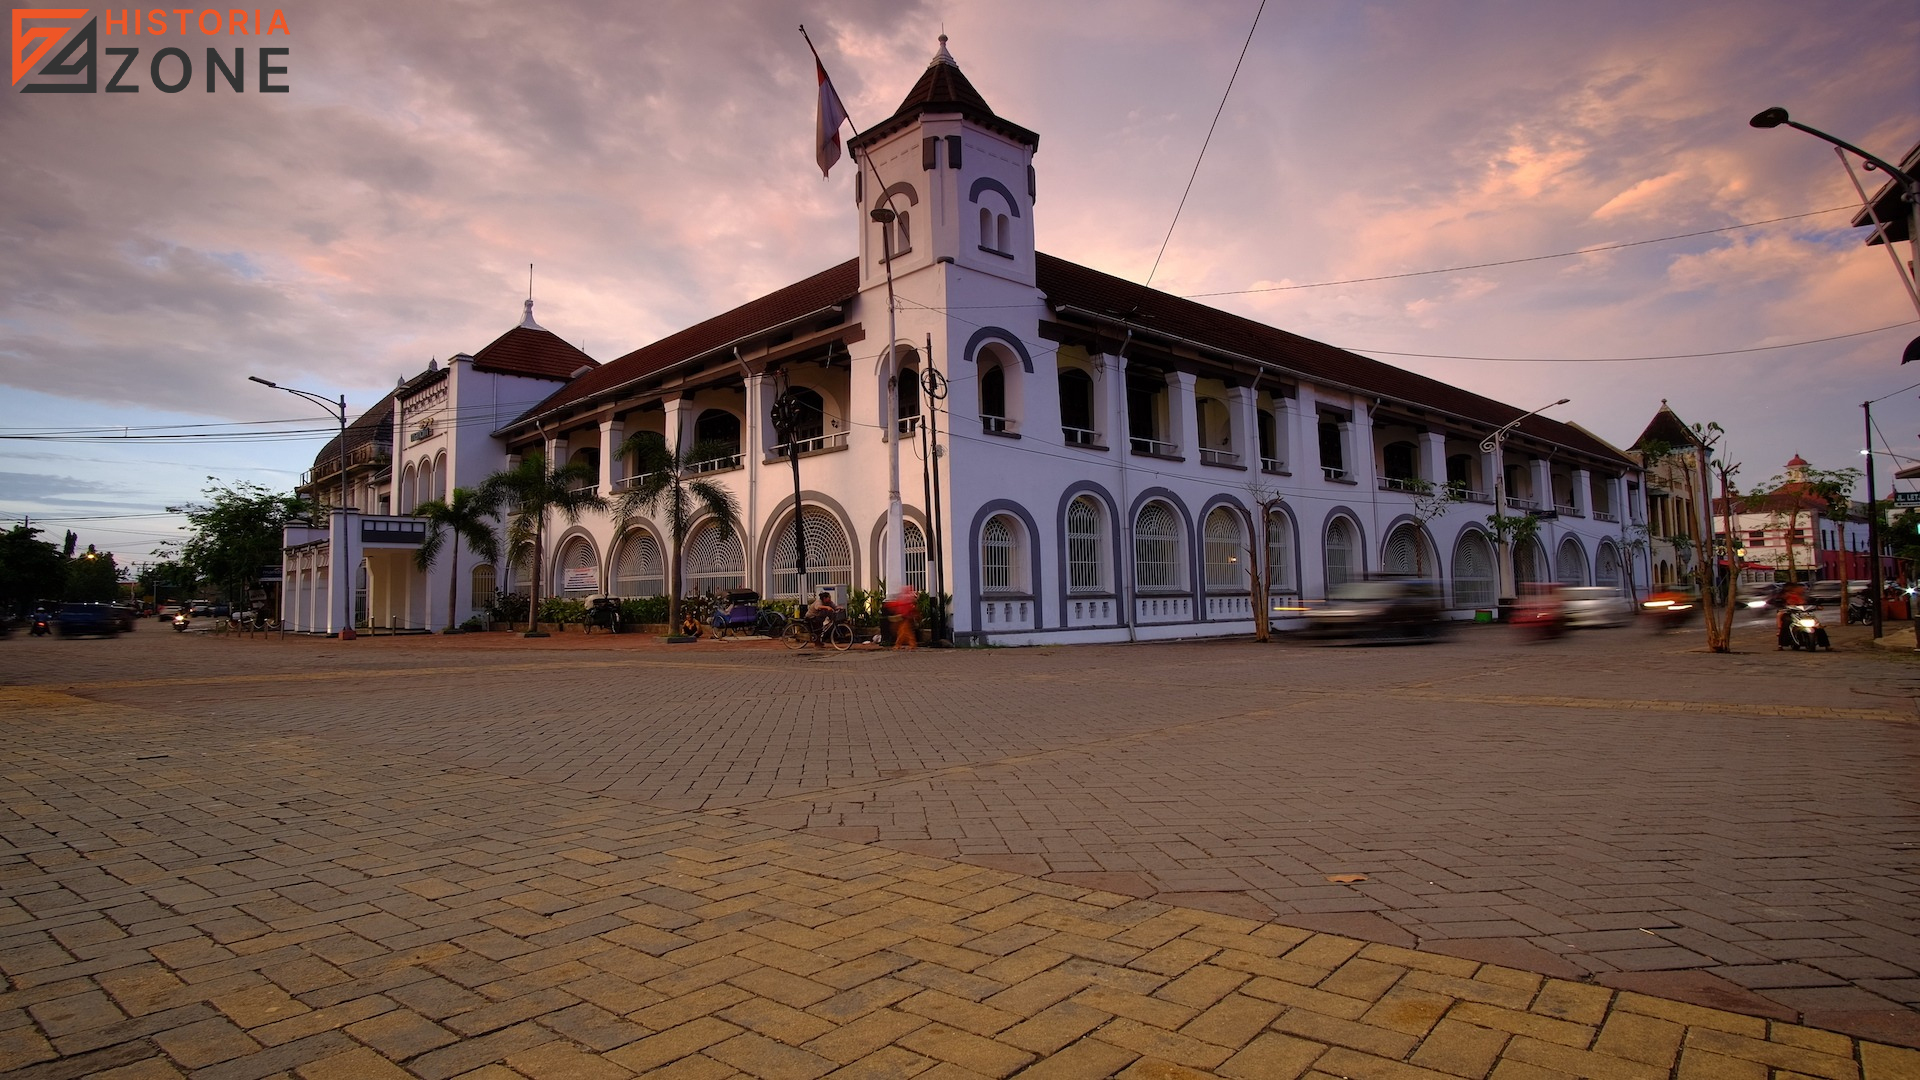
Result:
pixel 837 285
pixel 1067 283
pixel 1667 427
pixel 540 354
pixel 942 90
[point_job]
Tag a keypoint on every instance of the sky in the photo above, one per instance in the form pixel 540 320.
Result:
pixel 654 162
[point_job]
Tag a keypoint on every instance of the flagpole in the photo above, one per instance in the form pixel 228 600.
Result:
pixel 890 431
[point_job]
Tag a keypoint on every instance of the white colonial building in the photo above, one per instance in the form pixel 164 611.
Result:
pixel 1110 456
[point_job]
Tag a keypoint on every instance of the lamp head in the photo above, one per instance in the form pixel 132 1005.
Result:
pixel 262 382
pixel 1563 401
pixel 882 214
pixel 1770 118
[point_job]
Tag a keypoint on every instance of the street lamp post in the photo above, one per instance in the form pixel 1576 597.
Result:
pixel 1492 445
pixel 340 409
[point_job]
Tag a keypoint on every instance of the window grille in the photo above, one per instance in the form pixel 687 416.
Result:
pixel 998 552
pixel 1085 562
pixel 916 552
pixel 713 563
pixel 1280 553
pixel 1156 548
pixel 1473 584
pixel 1606 567
pixel 579 570
pixel 1570 565
pixel 1224 549
pixel 1403 551
pixel 829 556
pixel 1340 569
pixel 640 571
pixel 483 586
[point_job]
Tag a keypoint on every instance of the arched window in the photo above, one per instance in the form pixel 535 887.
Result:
pixel 1156 548
pixel 579 569
pixel 1341 566
pixel 409 489
pixel 1473 577
pixel 713 563
pixel 809 417
pixel 1086 557
pixel 1606 567
pixel 915 553
pixel 1570 564
pixel 906 397
pixel 986 229
pixel 718 431
pixel 1397 461
pixel 442 485
pixel 1460 471
pixel 1000 232
pixel 1529 562
pixel 483 586
pixel 640 570
pixel 993 399
pixel 1000 566
pixel 1405 553
pixel 1076 407
pixel 829 556
pixel 1280 554
pixel 1225 549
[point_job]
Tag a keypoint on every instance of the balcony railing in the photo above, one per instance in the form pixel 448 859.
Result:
pixel 1272 464
pixel 718 464
pixel 997 425
pixel 1400 483
pixel 909 425
pixel 1605 515
pixel 1153 446
pixel 1078 436
pixel 1218 457
pixel 370 453
pixel 1473 496
pixel 628 483
pixel 1515 502
pixel 1336 475
pixel 1567 511
pixel 818 444
pixel 585 489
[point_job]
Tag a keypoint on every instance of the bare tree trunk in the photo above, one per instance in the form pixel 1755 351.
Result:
pixel 533 601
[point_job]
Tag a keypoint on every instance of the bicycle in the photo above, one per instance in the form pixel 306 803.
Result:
pixel 835 631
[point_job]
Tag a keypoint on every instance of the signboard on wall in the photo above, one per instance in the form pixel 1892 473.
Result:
pixel 1906 498
pixel 579 579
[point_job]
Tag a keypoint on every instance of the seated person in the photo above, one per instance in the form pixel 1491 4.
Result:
pixel 689 626
pixel 823 611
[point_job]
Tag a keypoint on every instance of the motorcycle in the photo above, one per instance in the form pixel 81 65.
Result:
pixel 1800 629
pixel 181 622
pixel 42 624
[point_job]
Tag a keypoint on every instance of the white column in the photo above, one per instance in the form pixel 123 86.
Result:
pixel 678 409
pixel 1303 433
pixel 1358 435
pixel 1583 492
pixel 1542 471
pixel 1493 474
pixel 1433 458
pixel 1243 431
pixel 612 434
pixel 1180 418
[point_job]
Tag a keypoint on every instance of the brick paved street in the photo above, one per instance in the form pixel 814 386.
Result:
pixel 1605 856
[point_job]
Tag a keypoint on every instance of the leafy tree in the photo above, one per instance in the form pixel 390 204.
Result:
pixel 1792 496
pixel 30 569
pixel 158 579
pixel 234 533
pixel 530 491
pixel 467 519
pixel 669 484
pixel 93 577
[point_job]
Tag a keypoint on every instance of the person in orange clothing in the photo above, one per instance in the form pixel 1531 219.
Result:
pixel 903 610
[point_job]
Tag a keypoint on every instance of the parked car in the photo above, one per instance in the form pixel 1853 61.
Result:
pixel 1380 609
pixel 80 620
pixel 1590 606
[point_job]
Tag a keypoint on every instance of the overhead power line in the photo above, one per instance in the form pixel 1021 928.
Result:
pixel 1630 359
pixel 1528 259
pixel 1204 143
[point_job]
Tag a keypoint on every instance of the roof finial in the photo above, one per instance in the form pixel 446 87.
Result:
pixel 943 56
pixel 526 321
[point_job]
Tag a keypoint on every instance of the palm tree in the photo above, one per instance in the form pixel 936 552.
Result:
pixel 468 518
pixel 530 491
pixel 671 485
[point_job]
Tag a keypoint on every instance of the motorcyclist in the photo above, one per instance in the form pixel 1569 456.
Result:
pixel 1791 596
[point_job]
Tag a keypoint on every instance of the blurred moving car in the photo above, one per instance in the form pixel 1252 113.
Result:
pixel 82 620
pixel 1380 609
pixel 1589 607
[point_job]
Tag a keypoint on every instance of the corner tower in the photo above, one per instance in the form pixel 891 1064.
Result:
pixel 959 178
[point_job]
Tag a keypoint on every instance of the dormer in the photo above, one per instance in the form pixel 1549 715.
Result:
pixel 958 178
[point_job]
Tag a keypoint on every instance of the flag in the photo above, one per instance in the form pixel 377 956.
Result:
pixel 827 121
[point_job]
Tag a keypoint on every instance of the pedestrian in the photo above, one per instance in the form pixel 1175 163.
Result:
pixel 903 611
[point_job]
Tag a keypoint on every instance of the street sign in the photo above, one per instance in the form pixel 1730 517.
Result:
pixel 1906 498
